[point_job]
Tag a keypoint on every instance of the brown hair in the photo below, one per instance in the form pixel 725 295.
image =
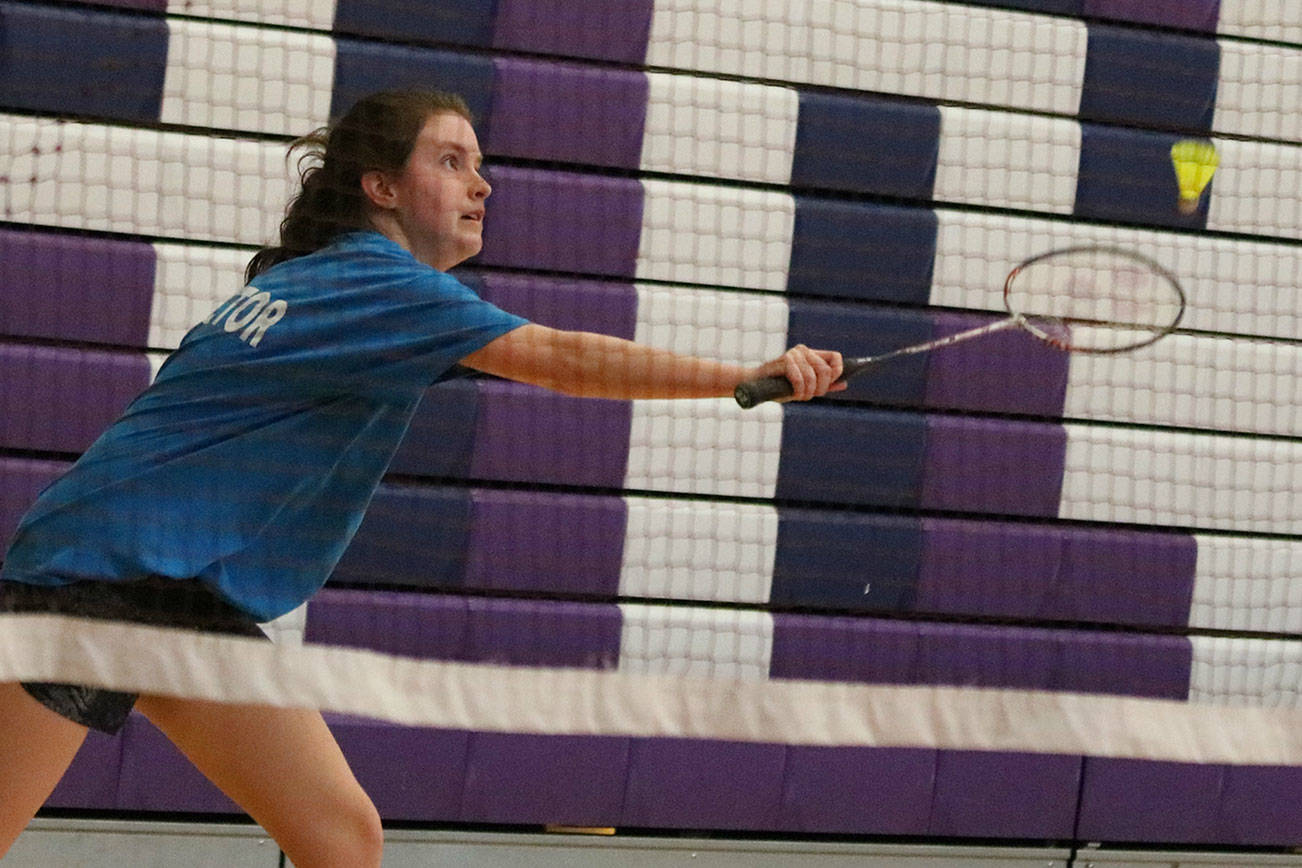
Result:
pixel 378 132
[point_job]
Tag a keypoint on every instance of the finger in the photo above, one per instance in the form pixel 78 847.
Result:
pixel 837 363
pixel 825 375
pixel 820 369
pixel 801 373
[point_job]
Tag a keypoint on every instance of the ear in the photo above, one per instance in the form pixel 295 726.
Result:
pixel 379 188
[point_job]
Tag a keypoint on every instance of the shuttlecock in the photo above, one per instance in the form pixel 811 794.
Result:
pixel 1195 162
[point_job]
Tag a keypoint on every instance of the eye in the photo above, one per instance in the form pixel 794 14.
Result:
pixel 451 161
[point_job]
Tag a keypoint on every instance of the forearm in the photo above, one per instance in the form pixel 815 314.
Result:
pixel 591 365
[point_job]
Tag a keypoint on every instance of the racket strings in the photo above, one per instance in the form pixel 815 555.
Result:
pixel 1095 299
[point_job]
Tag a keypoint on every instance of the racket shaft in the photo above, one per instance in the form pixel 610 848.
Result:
pixel 854 366
pixel 763 389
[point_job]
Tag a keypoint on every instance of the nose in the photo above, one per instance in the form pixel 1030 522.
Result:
pixel 482 189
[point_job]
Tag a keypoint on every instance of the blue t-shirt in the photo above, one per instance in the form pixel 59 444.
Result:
pixel 250 460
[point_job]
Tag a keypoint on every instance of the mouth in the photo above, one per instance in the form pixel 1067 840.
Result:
pixel 474 216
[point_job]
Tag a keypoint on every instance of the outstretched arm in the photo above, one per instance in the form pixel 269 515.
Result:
pixel 591 365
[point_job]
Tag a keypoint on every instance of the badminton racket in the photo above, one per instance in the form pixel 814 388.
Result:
pixel 1077 299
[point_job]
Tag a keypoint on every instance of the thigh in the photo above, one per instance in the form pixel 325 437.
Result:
pixel 283 767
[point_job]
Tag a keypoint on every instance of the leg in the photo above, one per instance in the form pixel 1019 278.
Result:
pixel 283 767
pixel 36 746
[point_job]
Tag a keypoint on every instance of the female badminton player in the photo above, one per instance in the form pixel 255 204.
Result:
pixel 227 491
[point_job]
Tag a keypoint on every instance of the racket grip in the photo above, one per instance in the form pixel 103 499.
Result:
pixel 753 392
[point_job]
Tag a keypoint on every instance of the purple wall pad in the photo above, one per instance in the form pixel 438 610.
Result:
pixel 443 627
pixel 441 437
pixel 157 777
pixel 1004 372
pixel 567 303
pixel 543 633
pixel 1156 667
pixel 844 649
pixel 1259 805
pixel 561 779
pixel 60 400
pixel 527 434
pixel 1078 661
pixel 881 651
pixel 413 536
pixel 692 784
pixel 544 110
pixel 409 625
pixel 1153 802
pixel 411 773
pixel 601 29
pixel 74 288
pixel 1110 576
pixel 1187 14
pixel 147 5
pixel 21 480
pixel 1124 574
pixel 91 782
pixel 995 466
pixel 525 541
pixel 857 790
pixel 988 794
pixel 563 221
pixel 986 656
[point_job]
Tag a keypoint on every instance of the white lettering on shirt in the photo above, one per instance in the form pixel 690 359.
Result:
pixel 252 310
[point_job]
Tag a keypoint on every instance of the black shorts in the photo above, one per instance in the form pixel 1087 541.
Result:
pixel 156 601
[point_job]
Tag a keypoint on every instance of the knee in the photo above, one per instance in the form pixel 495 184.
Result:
pixel 362 834
pixel 370 834
pixel 350 835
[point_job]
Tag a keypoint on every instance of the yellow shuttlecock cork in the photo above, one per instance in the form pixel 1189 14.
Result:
pixel 1195 162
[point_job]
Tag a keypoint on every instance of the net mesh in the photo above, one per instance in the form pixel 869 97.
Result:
pixel 993 547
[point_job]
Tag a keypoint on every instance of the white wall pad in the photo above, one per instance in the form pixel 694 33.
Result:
pixel 740 327
pixel 1279 20
pixel 1233 286
pixel 691 550
pixel 723 644
pixel 1259 91
pixel 1183 479
pixel 928 49
pixel 718 236
pixel 289 628
pixel 1007 160
pixel 1247 583
pixel 307 14
pixel 704 447
pixel 155 363
pixel 1186 381
pixel 144 182
pixel 1256 189
pixel 251 79
pixel 719 129
pixel 1262 673
pixel 189 283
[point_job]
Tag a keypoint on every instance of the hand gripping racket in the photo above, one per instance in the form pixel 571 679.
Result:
pixel 1077 299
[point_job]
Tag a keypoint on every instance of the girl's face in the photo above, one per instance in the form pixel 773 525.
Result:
pixel 435 206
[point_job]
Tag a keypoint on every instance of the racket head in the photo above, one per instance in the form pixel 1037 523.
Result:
pixel 1094 299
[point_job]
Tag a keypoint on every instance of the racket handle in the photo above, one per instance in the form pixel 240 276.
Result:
pixel 753 392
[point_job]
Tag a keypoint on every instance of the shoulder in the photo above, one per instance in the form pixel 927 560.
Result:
pixel 357 261
pixel 364 250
